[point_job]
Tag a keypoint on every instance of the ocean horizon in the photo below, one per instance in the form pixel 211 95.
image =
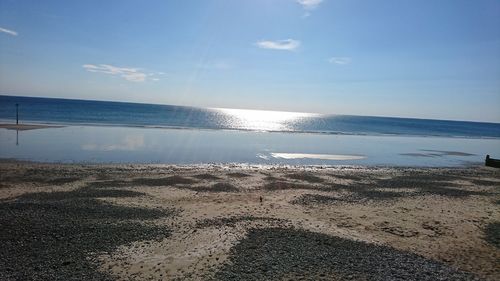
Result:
pixel 127 114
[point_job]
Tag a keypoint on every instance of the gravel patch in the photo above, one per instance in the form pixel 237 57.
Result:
pixel 238 175
pixel 420 184
pixel 206 177
pixel 284 185
pixel 56 236
pixel 311 199
pixel 308 177
pixel 111 183
pixel 422 188
pixel 232 221
pixel 486 182
pixel 167 181
pixel 218 187
pixel 59 181
pixel 175 181
pixel 172 180
pixel 85 192
pixel 492 234
pixel 291 254
pixel 44 180
pixel 353 177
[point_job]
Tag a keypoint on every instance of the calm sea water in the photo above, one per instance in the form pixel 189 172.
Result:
pixel 110 132
pixel 132 114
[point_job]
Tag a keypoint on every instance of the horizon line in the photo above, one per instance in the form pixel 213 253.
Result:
pixel 253 109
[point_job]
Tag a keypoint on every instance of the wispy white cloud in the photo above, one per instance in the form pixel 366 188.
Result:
pixel 285 45
pixel 128 73
pixel 309 4
pixel 8 31
pixel 340 60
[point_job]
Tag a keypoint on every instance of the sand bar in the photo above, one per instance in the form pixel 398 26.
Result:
pixel 25 127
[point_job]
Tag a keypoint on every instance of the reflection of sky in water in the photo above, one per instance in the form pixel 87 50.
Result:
pixel 262 120
pixel 129 143
pixel 181 146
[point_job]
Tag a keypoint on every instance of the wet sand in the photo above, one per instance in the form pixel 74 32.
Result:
pixel 227 222
pixel 25 127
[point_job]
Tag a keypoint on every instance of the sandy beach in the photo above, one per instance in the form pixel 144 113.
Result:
pixel 237 222
pixel 250 140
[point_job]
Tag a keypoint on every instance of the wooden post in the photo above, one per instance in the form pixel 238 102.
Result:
pixel 17 114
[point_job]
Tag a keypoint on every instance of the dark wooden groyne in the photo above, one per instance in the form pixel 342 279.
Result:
pixel 490 162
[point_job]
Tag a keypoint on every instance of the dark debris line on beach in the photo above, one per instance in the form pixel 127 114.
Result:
pixel 292 254
pixel 50 236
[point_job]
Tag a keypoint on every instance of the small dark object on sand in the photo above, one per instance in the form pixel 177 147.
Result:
pixel 492 162
pixel 260 199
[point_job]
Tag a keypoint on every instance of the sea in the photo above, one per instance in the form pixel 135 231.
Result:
pixel 119 132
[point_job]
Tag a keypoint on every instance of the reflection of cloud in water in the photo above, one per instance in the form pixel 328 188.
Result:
pixel 317 156
pixel 451 153
pixel 129 143
pixel 437 153
pixel 416 154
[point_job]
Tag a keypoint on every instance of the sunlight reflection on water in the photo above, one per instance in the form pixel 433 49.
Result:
pixel 263 120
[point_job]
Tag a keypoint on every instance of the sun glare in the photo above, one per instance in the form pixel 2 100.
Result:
pixel 263 120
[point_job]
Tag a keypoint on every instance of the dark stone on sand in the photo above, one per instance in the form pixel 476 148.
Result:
pixel 310 199
pixel 166 181
pixel 238 175
pixel 232 221
pixel 486 182
pixel 220 187
pixel 285 185
pixel 206 177
pixel 292 254
pixel 492 233
pixel 421 184
pixel 308 177
pixel 217 187
pixel 172 180
pixel 55 236
pixel 81 193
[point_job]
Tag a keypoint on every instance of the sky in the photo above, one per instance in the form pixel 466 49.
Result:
pixel 418 58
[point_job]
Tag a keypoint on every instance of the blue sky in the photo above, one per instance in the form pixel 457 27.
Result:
pixel 420 58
